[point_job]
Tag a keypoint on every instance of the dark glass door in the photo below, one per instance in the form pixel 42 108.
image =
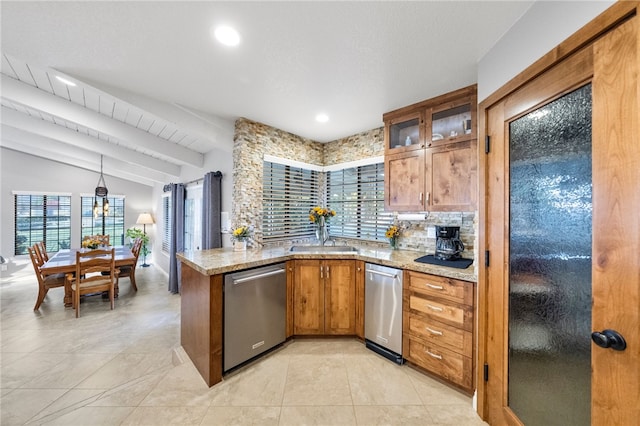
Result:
pixel 550 249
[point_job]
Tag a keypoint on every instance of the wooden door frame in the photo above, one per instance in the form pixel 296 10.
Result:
pixel 587 35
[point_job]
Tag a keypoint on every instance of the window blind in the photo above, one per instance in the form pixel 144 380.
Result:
pixel 166 221
pixel 288 195
pixel 42 218
pixel 357 196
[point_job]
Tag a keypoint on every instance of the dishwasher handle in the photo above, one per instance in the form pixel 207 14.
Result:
pixel 384 274
pixel 256 277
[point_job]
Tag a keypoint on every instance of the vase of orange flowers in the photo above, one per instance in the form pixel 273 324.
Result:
pixel 392 234
pixel 319 216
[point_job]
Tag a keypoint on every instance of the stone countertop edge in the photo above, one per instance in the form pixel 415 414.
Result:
pixel 223 260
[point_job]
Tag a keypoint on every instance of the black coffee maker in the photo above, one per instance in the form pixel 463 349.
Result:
pixel 448 244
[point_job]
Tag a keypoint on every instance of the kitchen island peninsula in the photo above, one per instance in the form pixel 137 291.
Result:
pixel 203 271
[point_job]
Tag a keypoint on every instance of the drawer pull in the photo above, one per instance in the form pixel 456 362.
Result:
pixel 432 331
pixel 431 354
pixel 435 308
pixel 435 287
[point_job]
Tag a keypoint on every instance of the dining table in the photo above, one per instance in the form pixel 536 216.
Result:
pixel 64 262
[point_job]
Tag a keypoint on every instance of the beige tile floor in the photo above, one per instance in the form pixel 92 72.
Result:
pixel 124 367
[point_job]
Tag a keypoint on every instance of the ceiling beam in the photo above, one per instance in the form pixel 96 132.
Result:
pixel 33 144
pixel 47 129
pixel 33 97
pixel 47 155
pixel 217 131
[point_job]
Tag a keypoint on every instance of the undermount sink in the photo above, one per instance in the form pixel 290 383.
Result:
pixel 322 249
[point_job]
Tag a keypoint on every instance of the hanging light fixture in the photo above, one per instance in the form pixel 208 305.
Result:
pixel 101 192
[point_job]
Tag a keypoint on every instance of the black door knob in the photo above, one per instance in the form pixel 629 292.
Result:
pixel 609 339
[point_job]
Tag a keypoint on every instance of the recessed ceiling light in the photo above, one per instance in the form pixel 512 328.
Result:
pixel 322 118
pixel 227 36
pixel 65 81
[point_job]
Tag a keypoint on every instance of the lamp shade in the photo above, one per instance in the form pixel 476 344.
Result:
pixel 145 219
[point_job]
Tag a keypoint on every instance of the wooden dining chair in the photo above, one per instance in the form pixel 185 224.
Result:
pixel 42 250
pixel 89 278
pixel 104 239
pixel 130 270
pixel 45 282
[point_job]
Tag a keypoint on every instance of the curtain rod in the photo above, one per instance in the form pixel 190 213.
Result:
pixel 193 181
pixel 167 187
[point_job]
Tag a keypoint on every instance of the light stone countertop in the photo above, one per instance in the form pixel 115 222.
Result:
pixel 223 260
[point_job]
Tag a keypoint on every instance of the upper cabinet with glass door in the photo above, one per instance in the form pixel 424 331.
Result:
pixel 405 132
pixel 430 154
pixel 452 122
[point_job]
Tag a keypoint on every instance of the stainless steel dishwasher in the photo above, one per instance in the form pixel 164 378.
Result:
pixel 254 313
pixel 383 311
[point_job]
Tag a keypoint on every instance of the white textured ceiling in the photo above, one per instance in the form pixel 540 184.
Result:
pixel 351 60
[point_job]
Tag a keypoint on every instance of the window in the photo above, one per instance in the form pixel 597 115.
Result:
pixel 288 195
pixel 166 214
pixel 42 218
pixel 357 196
pixel 112 225
pixel 193 218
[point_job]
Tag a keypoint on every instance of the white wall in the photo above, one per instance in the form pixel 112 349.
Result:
pixel 24 172
pixel 545 25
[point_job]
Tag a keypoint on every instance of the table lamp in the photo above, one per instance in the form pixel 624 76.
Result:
pixel 144 219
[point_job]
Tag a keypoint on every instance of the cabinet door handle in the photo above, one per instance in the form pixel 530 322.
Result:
pixel 421 197
pixel 436 356
pixel 435 287
pixel 435 308
pixel 359 269
pixel 321 275
pixel 327 271
pixel 428 196
pixel 432 331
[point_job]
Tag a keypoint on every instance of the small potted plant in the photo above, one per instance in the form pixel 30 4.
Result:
pixel 133 233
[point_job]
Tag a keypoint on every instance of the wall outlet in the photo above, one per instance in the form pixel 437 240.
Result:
pixel 431 231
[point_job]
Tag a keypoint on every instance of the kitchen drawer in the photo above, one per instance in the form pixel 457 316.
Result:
pixel 450 313
pixel 442 362
pixel 446 288
pixel 434 332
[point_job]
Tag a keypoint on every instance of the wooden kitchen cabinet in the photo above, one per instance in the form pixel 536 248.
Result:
pixel 405 132
pixel 438 327
pixel 404 181
pixel 438 173
pixel 360 279
pixel 324 297
pixel 451 177
pixel 290 270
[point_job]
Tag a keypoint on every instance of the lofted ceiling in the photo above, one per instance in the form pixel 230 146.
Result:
pixel 154 93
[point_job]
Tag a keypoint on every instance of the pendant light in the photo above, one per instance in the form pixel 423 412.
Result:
pixel 102 192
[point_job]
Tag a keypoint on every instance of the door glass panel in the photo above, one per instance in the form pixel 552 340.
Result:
pixel 550 263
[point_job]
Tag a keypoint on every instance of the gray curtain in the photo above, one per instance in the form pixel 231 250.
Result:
pixel 211 206
pixel 178 194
